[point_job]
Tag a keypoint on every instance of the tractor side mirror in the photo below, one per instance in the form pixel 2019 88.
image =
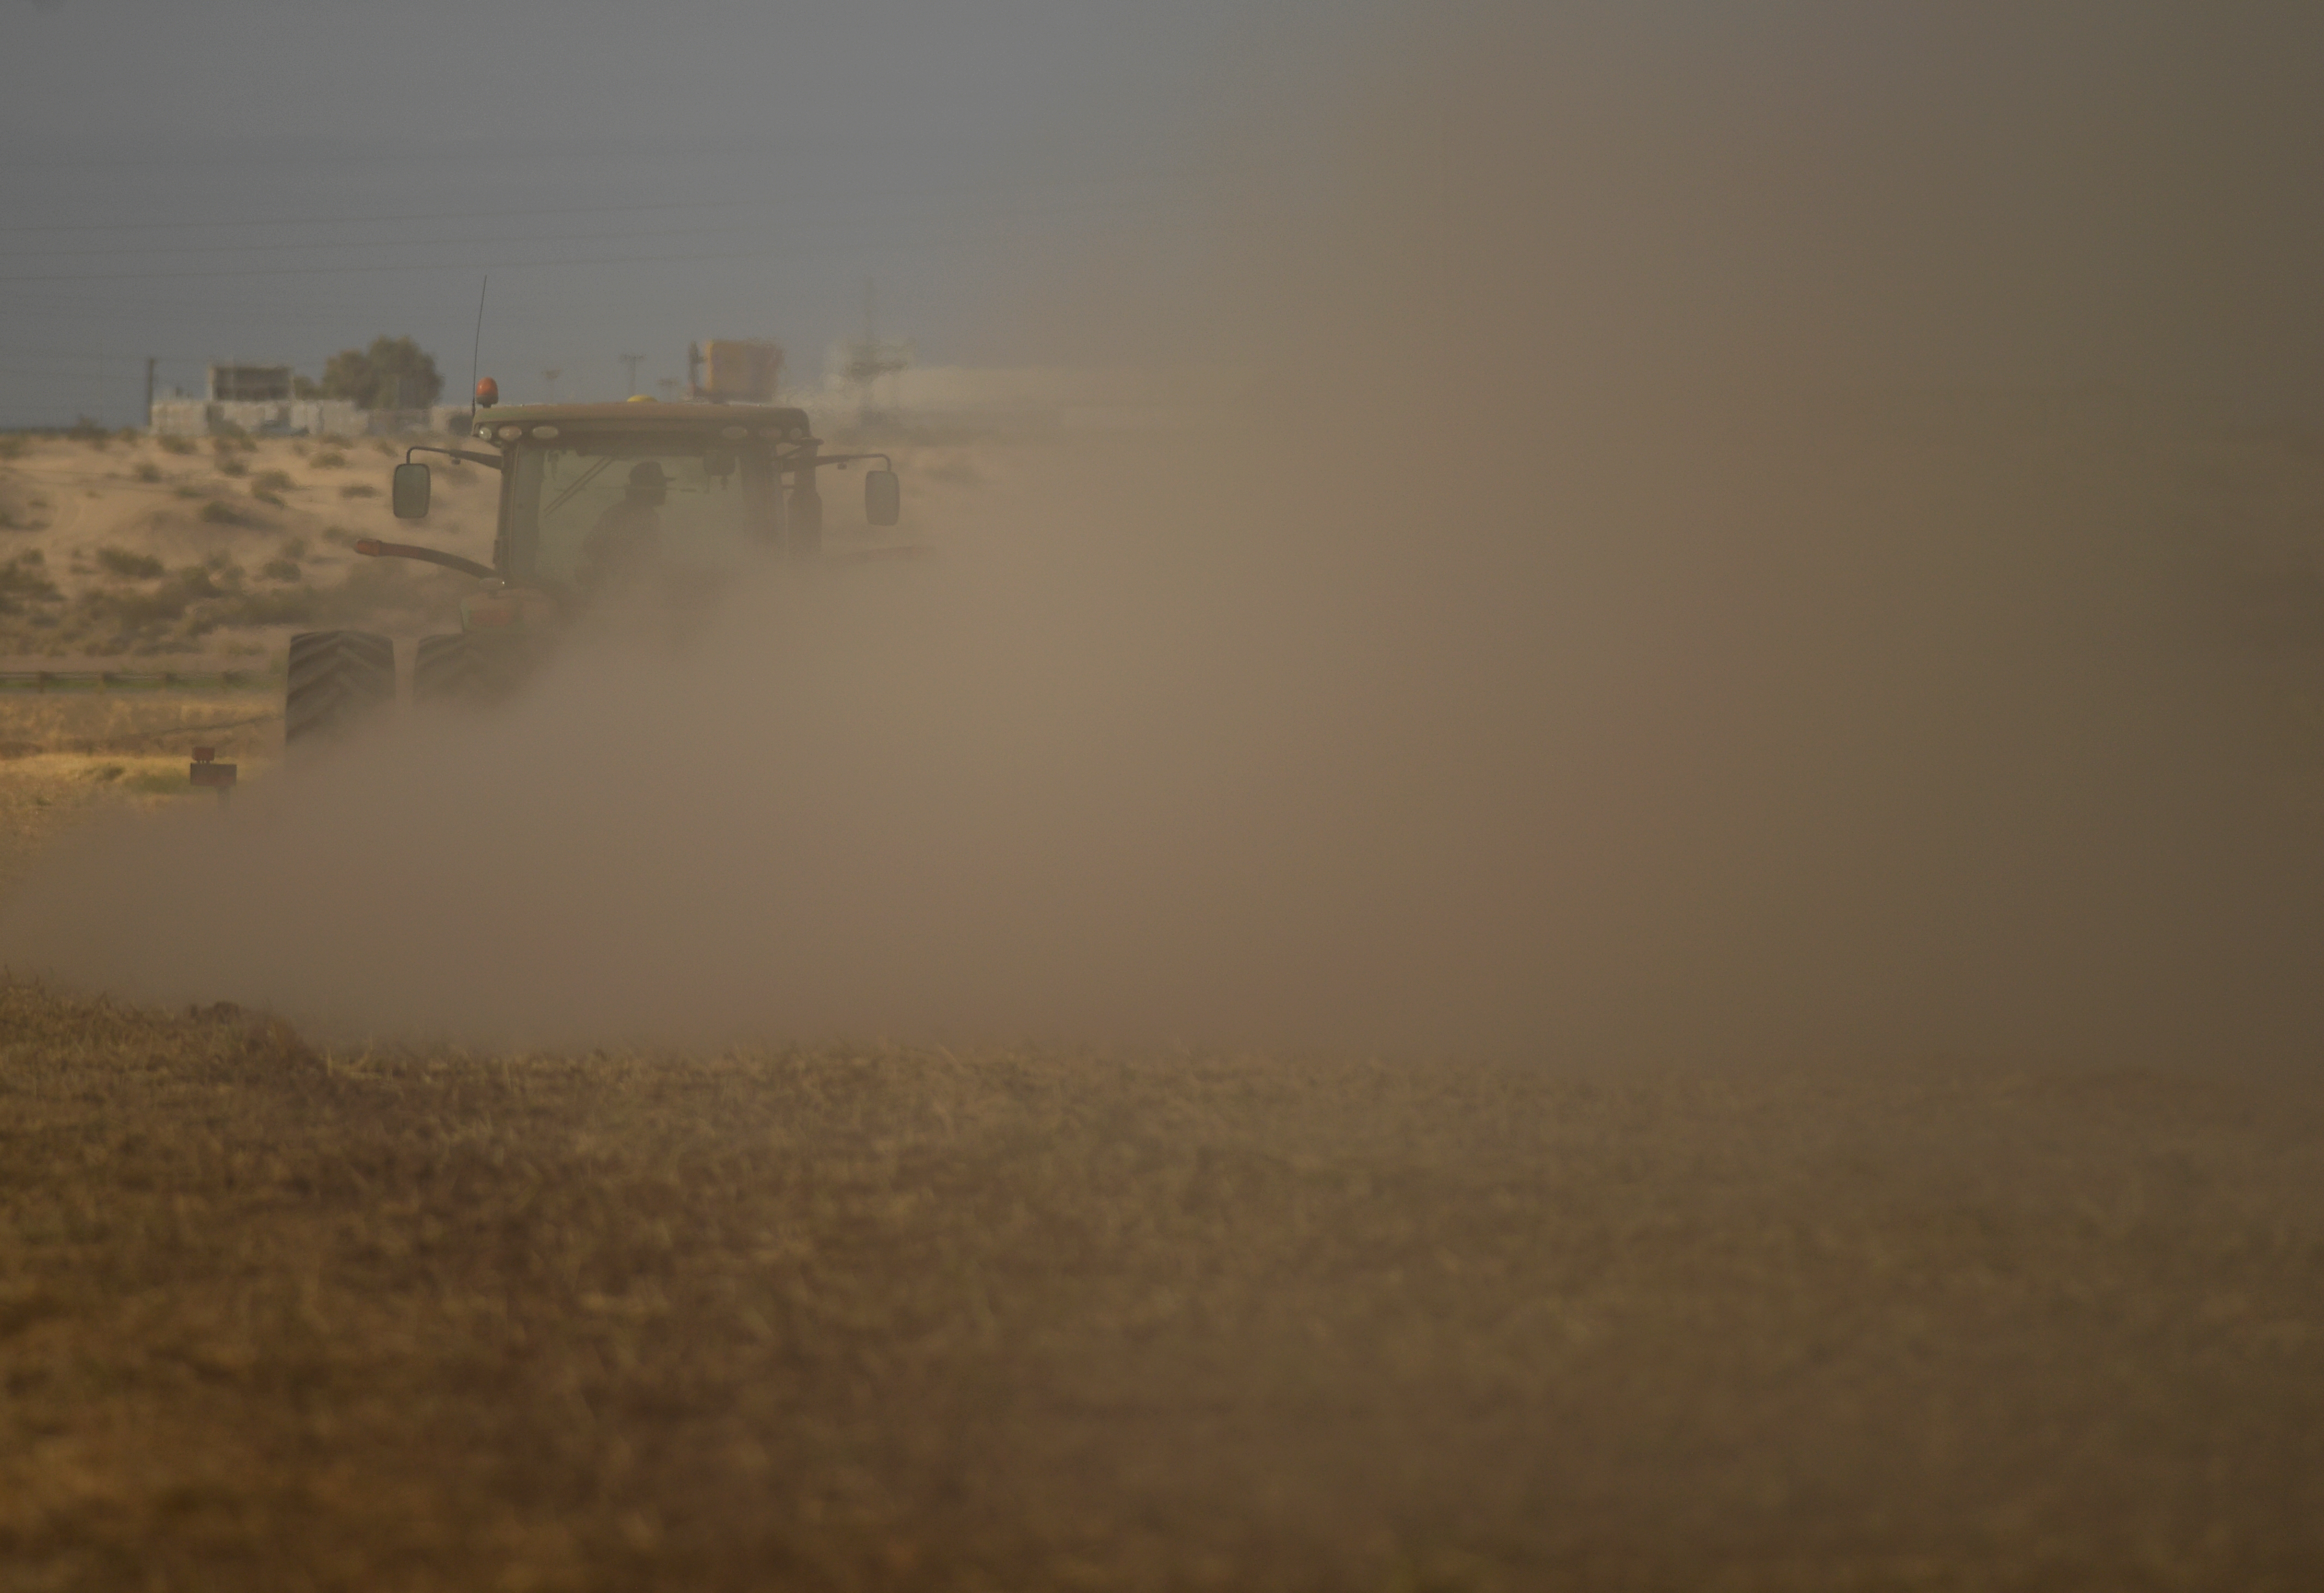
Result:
pixel 410 494
pixel 883 497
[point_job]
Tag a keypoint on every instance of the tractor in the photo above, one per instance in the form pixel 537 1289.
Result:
pixel 599 505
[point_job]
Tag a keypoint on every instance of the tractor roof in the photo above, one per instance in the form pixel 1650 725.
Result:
pixel 769 422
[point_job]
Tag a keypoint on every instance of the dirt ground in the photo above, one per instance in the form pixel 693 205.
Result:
pixel 272 1317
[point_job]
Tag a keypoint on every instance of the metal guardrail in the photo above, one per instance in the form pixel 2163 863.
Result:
pixel 133 680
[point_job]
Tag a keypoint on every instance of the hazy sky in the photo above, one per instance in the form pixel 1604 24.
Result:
pixel 197 182
pixel 1949 191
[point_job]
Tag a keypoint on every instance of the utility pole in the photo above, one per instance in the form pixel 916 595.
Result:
pixel 149 392
pixel 633 361
pixel 871 359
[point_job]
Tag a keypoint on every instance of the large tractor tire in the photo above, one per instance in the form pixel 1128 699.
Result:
pixel 339 681
pixel 468 669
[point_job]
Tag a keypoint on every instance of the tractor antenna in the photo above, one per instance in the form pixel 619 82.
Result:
pixel 476 349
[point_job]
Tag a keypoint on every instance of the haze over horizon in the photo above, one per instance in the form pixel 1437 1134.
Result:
pixel 270 183
pixel 2060 196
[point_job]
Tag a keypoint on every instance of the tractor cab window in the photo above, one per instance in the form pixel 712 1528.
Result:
pixel 599 512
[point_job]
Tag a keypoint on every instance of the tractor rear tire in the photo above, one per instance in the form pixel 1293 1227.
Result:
pixel 339 681
pixel 468 669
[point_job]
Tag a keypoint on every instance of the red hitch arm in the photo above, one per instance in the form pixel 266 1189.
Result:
pixel 372 548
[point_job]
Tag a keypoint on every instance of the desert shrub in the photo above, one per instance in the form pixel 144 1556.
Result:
pixel 25 579
pixel 148 471
pixel 219 514
pixel 145 615
pixel 128 566
pixel 359 489
pixel 284 605
pixel 175 444
pixel 281 569
pixel 87 428
pixel 232 467
pixel 107 773
pixel 328 459
pixel 188 490
pixel 222 443
pixel 383 445
pixel 294 547
pixel 12 447
pixel 160 782
pixel 271 481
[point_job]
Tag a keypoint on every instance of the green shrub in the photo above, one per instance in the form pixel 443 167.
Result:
pixel 128 566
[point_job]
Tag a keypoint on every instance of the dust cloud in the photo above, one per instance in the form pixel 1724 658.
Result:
pixel 1730 533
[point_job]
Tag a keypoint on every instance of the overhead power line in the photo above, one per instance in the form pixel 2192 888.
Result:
pixel 333 271
pixel 118 227
pixel 1015 217
pixel 255 248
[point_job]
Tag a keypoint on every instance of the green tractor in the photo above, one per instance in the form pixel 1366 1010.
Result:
pixel 599 505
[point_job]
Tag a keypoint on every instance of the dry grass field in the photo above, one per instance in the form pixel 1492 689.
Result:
pixel 277 1317
pixel 70 758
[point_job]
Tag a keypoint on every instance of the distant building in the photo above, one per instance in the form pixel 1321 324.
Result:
pixel 249 384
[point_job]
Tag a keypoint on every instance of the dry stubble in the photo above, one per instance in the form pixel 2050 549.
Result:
pixel 886 1318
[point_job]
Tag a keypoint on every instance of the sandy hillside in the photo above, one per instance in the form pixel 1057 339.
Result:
pixel 141 546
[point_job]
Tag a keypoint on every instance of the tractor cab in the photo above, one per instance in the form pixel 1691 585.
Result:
pixel 598 502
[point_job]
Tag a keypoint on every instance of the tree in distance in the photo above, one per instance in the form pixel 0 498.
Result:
pixel 393 374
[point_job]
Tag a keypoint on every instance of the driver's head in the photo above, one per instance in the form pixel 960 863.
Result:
pixel 648 484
